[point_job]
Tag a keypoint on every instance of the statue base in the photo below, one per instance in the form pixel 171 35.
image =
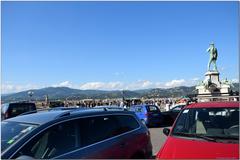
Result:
pixel 212 87
pixel 213 76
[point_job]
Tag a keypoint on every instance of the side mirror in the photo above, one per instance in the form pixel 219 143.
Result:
pixel 166 131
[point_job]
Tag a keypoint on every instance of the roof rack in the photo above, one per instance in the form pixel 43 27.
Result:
pixel 67 113
pixel 48 109
pixel 110 108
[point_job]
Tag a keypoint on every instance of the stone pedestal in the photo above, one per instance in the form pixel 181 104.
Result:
pixel 213 76
pixel 212 87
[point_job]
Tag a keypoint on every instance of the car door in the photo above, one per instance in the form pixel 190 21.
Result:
pixel 141 112
pixel 98 139
pixel 154 114
pixel 133 141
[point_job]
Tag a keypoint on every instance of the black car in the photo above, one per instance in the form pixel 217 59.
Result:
pixel 75 134
pixel 171 115
pixel 9 110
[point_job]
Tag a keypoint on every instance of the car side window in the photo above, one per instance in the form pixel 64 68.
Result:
pixel 182 122
pixel 152 108
pixel 138 109
pixel 53 142
pixel 127 123
pixel 96 129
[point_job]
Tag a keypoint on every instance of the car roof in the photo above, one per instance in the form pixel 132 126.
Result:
pixel 43 117
pixel 214 105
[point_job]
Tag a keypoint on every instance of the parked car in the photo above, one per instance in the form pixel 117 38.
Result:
pixel 9 110
pixel 148 114
pixel 171 115
pixel 75 134
pixel 207 130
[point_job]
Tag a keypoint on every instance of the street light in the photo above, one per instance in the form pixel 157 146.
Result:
pixel 123 95
pixel 30 94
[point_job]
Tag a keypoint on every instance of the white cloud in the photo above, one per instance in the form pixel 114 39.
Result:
pixel 175 83
pixel 102 85
pixel 13 88
pixel 64 84
pixel 140 84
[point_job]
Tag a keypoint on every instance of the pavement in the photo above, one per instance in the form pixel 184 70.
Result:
pixel 157 138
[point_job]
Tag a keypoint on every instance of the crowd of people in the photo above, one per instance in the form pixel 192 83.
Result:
pixel 162 103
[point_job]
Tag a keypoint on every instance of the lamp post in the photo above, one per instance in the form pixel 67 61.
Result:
pixel 122 104
pixel 30 94
pixel 46 100
pixel 123 95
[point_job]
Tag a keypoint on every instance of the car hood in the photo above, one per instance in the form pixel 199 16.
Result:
pixel 176 147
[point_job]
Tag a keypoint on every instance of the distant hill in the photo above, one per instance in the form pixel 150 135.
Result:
pixel 58 93
pixel 62 93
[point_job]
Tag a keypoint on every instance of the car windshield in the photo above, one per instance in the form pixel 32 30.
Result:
pixel 13 131
pixel 209 124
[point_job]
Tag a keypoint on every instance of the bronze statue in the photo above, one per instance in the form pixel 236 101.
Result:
pixel 213 56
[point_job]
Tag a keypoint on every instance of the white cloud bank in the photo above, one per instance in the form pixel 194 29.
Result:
pixel 63 84
pixel 140 84
pixel 175 83
pixel 102 85
pixel 13 88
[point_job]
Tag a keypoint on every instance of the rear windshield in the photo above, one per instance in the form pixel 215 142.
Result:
pixel 152 108
pixel 19 108
pixel 13 131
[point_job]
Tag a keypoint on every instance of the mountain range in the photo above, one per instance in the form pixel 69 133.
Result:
pixel 62 93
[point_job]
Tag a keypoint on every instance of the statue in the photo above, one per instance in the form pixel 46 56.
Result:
pixel 227 82
pixel 206 83
pixel 213 57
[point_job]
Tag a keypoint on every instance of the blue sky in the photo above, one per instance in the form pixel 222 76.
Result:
pixel 115 45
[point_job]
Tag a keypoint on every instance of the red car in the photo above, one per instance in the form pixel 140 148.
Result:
pixel 204 131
